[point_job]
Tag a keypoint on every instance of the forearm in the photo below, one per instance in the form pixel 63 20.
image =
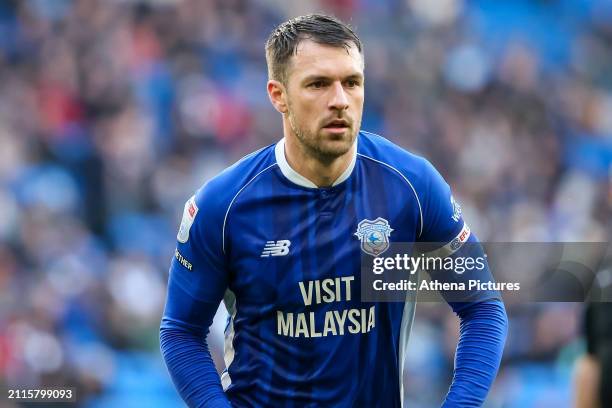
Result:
pixel 484 326
pixel 586 382
pixel 191 366
pixel 182 336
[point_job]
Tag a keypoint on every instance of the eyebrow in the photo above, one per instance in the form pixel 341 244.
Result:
pixel 312 78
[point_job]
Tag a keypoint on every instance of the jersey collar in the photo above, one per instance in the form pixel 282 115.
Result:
pixel 296 178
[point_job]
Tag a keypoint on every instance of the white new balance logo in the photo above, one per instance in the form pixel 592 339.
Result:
pixel 276 248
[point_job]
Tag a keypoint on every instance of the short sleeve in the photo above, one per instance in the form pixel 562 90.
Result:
pixel 198 271
pixel 442 218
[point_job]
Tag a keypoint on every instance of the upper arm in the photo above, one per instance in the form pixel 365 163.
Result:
pixel 198 271
pixel 442 217
pixel 445 228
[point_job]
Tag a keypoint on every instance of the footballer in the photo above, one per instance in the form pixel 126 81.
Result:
pixel 279 236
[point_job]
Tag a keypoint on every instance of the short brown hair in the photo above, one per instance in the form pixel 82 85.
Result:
pixel 283 41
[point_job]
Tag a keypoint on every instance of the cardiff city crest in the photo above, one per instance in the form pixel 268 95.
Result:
pixel 374 235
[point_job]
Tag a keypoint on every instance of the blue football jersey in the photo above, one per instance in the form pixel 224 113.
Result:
pixel 285 255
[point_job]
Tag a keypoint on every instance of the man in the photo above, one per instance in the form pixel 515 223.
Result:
pixel 279 236
pixel 593 371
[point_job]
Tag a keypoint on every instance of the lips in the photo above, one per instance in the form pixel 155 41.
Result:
pixel 337 124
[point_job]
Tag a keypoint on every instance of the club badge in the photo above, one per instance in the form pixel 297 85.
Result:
pixel 374 236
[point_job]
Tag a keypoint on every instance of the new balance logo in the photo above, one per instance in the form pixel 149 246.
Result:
pixel 276 248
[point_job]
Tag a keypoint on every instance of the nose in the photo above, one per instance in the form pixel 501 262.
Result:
pixel 338 100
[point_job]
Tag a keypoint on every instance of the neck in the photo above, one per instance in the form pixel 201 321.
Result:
pixel 321 171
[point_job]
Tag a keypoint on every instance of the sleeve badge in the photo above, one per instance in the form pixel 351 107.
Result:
pixel 189 214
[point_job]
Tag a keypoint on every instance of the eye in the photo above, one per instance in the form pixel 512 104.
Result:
pixel 317 84
pixel 351 83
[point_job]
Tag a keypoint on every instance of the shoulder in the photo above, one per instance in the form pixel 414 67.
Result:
pixel 217 195
pixel 414 169
pixel 440 214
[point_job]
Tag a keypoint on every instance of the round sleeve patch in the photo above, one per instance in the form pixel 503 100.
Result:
pixel 189 214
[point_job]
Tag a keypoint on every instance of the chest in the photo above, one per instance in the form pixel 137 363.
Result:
pixel 289 246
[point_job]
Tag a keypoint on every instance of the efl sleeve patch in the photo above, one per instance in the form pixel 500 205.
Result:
pixel 189 214
pixel 458 241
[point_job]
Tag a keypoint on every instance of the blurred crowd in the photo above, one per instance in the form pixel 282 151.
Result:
pixel 112 113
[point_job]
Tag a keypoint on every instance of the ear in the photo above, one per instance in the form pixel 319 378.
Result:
pixel 277 94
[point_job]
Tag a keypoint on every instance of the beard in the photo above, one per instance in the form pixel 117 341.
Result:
pixel 325 147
